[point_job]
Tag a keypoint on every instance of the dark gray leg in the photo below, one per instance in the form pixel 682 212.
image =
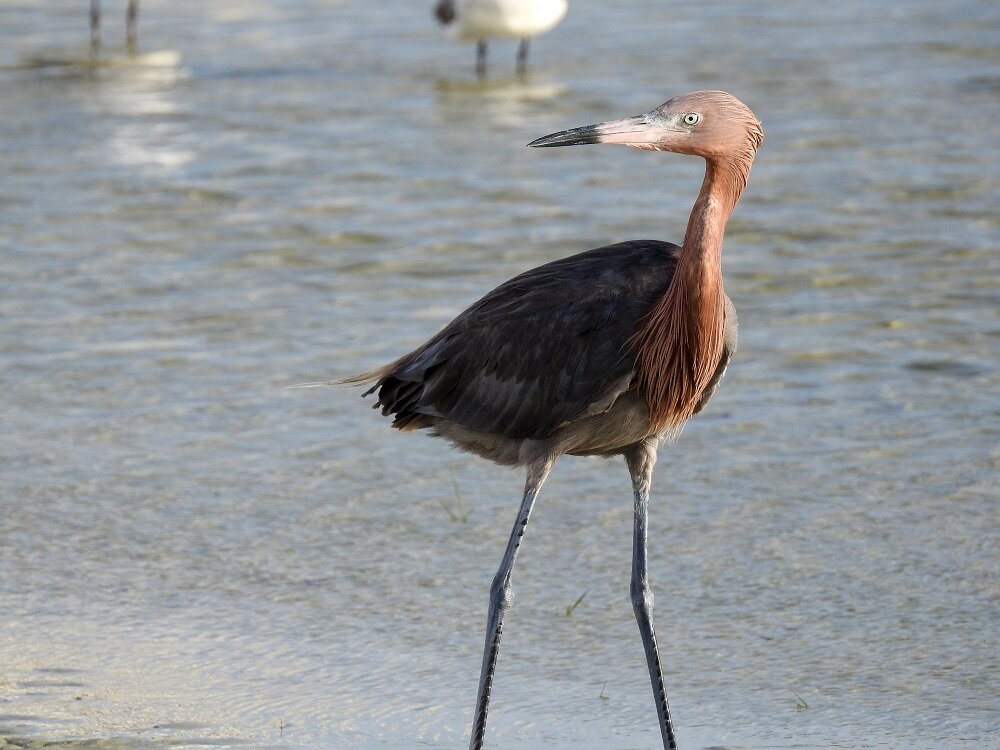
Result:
pixel 522 57
pixel 641 459
pixel 501 597
pixel 95 25
pixel 131 24
pixel 481 58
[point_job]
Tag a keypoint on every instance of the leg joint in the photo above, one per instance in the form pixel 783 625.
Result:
pixel 501 593
pixel 642 596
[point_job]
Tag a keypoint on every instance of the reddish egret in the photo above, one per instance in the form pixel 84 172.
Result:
pixel 478 20
pixel 131 24
pixel 604 353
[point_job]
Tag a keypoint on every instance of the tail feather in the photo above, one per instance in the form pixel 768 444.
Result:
pixel 376 375
pixel 395 397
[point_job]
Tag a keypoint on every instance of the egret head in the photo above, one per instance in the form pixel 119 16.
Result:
pixel 711 124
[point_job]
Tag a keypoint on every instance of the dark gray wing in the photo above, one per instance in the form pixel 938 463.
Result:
pixel 537 351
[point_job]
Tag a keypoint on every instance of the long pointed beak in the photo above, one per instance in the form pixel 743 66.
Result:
pixel 642 131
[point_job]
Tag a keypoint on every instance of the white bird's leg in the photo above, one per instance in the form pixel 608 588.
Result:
pixel 131 22
pixel 640 459
pixel 522 57
pixel 95 25
pixel 481 58
pixel 501 597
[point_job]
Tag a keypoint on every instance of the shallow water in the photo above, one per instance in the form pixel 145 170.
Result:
pixel 192 554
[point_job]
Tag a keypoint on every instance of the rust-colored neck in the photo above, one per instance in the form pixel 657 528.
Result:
pixel 680 343
pixel 720 191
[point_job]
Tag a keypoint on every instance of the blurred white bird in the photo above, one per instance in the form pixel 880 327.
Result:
pixel 478 20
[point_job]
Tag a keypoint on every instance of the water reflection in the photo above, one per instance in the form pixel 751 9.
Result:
pixel 509 102
pixel 144 118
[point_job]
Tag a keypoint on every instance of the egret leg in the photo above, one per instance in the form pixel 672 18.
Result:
pixel 522 57
pixel 95 25
pixel 481 58
pixel 131 25
pixel 641 459
pixel 501 597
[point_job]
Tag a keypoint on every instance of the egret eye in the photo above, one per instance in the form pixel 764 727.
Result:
pixel 691 118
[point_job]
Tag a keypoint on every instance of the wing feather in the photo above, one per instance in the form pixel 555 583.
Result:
pixel 539 351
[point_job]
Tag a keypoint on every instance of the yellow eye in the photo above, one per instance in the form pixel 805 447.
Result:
pixel 691 119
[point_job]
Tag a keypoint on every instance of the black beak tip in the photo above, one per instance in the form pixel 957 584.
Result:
pixel 544 142
pixel 574 137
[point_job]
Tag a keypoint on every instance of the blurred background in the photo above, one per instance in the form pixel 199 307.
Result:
pixel 192 554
